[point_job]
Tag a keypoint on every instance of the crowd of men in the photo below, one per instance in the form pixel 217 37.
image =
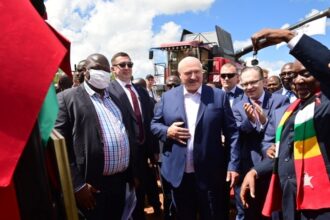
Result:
pixel 212 139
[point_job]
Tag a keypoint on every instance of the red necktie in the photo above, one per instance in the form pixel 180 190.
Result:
pixel 137 112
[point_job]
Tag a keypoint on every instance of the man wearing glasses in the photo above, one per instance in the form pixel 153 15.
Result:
pixel 252 114
pixel 229 80
pixel 136 100
pixel 286 78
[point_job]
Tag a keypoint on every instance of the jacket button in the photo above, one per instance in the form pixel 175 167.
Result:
pixel 286 159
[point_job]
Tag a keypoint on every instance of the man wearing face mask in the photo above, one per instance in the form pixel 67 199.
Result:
pixel 98 146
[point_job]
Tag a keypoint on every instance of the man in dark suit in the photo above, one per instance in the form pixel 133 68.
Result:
pixel 189 119
pixel 137 102
pixel 252 114
pixel 229 80
pixel 308 82
pixel 286 80
pixel 92 123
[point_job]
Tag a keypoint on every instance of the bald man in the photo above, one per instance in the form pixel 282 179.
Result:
pixel 189 119
pixel 94 127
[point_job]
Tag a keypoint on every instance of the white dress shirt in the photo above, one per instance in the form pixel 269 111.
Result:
pixel 191 104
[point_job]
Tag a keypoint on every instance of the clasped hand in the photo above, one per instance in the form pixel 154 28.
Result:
pixel 254 112
pixel 176 132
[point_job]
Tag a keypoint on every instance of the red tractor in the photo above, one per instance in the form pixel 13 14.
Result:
pixel 212 48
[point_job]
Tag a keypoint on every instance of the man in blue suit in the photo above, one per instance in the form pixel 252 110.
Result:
pixel 286 80
pixel 309 77
pixel 190 119
pixel 252 114
pixel 229 79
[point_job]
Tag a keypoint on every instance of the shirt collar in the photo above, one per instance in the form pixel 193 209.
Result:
pixel 261 98
pixel 91 92
pixel 122 83
pixel 185 92
pixel 232 90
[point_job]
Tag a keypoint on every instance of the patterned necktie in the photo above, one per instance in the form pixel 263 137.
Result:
pixel 137 112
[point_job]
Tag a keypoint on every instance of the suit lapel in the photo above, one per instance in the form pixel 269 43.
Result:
pixel 267 103
pixel 89 106
pixel 206 96
pixel 121 95
pixel 180 106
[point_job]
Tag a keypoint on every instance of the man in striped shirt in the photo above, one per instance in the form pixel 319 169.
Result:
pixel 98 145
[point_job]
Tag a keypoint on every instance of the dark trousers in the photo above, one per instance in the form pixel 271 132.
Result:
pixel 255 204
pixel 152 190
pixel 191 201
pixel 322 214
pixel 111 199
pixel 169 209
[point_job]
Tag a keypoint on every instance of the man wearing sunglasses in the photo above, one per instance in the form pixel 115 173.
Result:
pixel 229 80
pixel 302 133
pixel 252 114
pixel 137 102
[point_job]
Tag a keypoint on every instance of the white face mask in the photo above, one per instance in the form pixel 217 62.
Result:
pixel 100 79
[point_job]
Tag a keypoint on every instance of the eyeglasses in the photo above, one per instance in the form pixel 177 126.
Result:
pixel 252 83
pixel 124 64
pixel 287 74
pixel 170 86
pixel 229 75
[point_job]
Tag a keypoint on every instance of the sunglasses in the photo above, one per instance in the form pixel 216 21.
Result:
pixel 124 64
pixel 229 75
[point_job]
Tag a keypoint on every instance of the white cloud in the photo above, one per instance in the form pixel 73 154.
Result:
pixel 108 27
pixel 274 67
pixel 241 44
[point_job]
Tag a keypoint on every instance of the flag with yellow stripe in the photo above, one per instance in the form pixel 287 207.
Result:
pixel 313 186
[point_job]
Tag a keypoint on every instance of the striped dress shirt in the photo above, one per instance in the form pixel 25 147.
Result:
pixel 115 138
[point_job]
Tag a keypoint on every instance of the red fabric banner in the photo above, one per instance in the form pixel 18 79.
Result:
pixel 273 201
pixel 8 203
pixel 30 55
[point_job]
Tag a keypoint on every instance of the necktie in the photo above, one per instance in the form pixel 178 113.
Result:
pixel 137 112
pixel 255 111
pixel 288 94
pixel 230 95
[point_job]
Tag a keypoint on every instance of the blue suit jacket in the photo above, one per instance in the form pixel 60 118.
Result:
pixel 251 136
pixel 214 117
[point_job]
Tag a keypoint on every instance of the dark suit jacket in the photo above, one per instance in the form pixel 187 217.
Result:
pixel 214 117
pixel 315 57
pixel 251 137
pixel 151 145
pixel 78 122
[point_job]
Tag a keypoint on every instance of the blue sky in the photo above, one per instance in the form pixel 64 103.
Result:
pixel 243 18
pixel 134 26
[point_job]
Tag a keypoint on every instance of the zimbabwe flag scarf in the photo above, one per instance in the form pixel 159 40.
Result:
pixel 313 187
